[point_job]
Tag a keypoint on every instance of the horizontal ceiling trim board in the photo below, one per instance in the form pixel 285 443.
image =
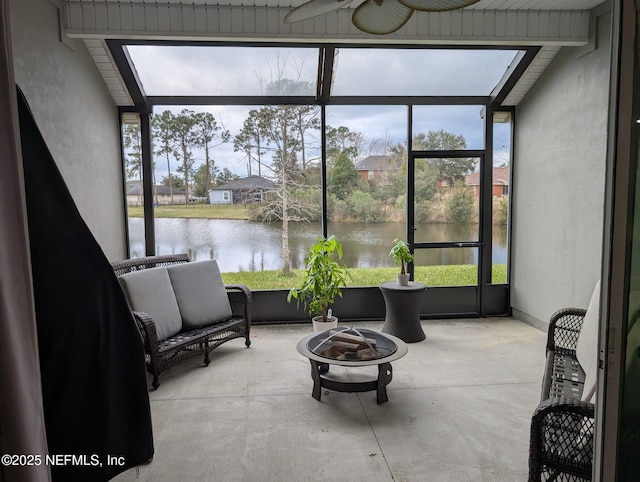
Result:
pixel 193 22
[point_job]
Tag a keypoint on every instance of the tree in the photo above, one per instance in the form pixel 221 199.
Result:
pixel 282 203
pixel 202 180
pixel 132 142
pixel 500 210
pixel 173 182
pixel 344 177
pixel 459 203
pixel 450 169
pixel 133 150
pixel 280 127
pixel 284 86
pixel 306 121
pixel 365 208
pixel 162 128
pixel 396 184
pixel 284 127
pixel 225 177
pixel 305 118
pixel 425 181
pixel 438 141
pixel 429 171
pixel 207 131
pixel 251 140
pixel 380 146
pixel 342 140
pixel 186 138
pixel 398 152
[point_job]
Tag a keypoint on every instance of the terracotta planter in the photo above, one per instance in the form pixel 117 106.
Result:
pixel 319 325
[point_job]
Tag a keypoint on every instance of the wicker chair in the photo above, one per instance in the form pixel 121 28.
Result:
pixel 561 443
pixel 162 354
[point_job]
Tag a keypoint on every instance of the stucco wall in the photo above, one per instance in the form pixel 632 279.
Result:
pixel 76 114
pixel 559 178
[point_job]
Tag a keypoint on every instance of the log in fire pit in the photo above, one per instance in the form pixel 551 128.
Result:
pixel 352 344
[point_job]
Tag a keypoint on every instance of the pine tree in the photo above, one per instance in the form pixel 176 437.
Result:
pixel 344 177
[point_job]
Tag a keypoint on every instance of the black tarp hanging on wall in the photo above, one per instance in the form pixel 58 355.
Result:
pixel 94 384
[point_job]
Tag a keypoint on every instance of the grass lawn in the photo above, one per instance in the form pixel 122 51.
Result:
pixel 449 275
pixel 207 211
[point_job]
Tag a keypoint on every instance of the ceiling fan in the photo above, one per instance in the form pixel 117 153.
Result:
pixel 379 17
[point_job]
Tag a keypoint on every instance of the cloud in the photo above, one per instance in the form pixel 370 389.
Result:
pixel 373 121
pixel 419 71
pixel 208 70
pixel 460 120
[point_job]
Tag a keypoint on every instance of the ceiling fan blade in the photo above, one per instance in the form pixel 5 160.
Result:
pixel 381 17
pixel 437 5
pixel 313 8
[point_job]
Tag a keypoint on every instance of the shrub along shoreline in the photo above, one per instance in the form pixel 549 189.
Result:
pixel 427 212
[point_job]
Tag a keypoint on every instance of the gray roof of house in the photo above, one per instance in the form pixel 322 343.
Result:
pixel 246 184
pixel 374 163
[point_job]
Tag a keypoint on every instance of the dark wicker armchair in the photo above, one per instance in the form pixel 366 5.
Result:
pixel 161 354
pixel 561 444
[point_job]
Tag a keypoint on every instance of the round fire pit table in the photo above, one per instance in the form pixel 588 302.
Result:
pixel 321 354
pixel 402 305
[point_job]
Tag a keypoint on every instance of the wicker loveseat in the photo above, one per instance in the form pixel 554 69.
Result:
pixel 561 439
pixel 182 309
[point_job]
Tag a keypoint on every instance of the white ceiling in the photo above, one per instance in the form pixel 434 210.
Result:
pixel 550 24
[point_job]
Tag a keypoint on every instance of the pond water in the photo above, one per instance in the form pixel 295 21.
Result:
pixel 240 245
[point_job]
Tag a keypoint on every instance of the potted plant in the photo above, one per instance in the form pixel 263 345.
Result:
pixel 401 255
pixel 323 282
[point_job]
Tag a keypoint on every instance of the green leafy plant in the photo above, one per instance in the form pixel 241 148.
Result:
pixel 401 254
pixel 324 278
pixel 459 204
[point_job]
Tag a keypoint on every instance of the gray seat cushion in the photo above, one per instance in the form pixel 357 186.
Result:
pixel 200 292
pixel 150 290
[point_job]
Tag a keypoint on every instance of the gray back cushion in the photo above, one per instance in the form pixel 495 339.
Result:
pixel 587 347
pixel 200 293
pixel 150 290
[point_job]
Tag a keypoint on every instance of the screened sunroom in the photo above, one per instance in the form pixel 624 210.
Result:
pixel 435 118
pixel 498 140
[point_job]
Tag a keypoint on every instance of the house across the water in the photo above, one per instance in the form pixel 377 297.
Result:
pixel 161 195
pixel 240 191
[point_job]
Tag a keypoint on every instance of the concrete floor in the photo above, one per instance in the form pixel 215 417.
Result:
pixel 459 409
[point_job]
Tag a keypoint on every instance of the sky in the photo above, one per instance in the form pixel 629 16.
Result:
pixel 247 70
